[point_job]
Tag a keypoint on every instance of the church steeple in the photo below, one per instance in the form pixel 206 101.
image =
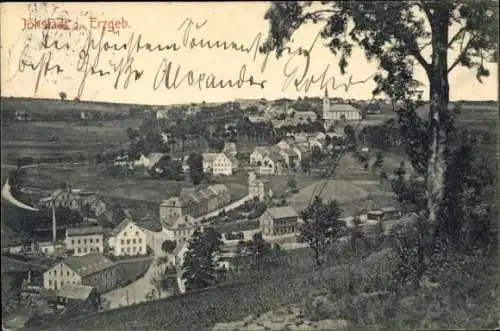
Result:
pixel 326 104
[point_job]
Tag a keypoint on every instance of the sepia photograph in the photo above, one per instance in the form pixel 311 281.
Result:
pixel 267 165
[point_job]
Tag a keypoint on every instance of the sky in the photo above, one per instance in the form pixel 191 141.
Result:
pixel 32 69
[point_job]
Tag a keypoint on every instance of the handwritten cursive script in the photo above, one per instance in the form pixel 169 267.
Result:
pixel 122 68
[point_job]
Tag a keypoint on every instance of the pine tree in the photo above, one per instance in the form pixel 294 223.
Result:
pixel 200 262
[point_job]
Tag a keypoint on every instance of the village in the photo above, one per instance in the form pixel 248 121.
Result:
pixel 91 267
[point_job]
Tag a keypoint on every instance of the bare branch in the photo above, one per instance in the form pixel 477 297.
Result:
pixel 423 46
pixel 463 51
pixel 418 56
pixel 457 35
pixel 315 15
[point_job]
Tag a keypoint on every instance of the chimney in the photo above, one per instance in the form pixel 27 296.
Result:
pixel 54 224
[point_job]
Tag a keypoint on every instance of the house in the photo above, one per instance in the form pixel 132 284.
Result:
pixel 74 199
pixel 258 154
pixel 149 161
pixel 305 116
pixel 286 143
pixel 290 156
pixel 219 163
pixel 182 229
pixel 338 111
pixel 85 240
pixel 164 138
pixel 259 188
pixel 272 164
pixel 301 138
pixel 279 221
pixel 121 160
pixel 259 119
pixel 179 253
pixel 78 297
pixel 319 144
pixel 91 270
pixel 22 116
pixel 194 204
pixel 48 248
pixel 127 238
pixel 278 123
pixel 230 149
pixel 185 164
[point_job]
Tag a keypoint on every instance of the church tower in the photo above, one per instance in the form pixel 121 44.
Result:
pixel 326 103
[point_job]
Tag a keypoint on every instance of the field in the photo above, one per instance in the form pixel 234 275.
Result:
pixel 35 138
pixel 47 107
pixel 94 178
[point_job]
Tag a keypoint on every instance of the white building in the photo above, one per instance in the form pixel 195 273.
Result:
pixel 338 111
pixel 85 240
pixel 148 161
pixel 258 154
pixel 128 239
pixel 91 270
pixel 182 229
pixel 219 163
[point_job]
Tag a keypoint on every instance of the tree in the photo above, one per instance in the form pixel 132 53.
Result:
pixel 195 162
pixel 118 213
pixel 168 246
pixel 305 164
pixel 200 263
pixel 397 43
pixel 63 95
pixel 350 135
pixel 157 280
pixel 259 250
pixel 292 184
pixel 321 227
pixel 356 236
pixel 379 162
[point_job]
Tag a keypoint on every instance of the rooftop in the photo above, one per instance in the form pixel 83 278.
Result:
pixel 282 212
pixel 120 227
pixel 209 157
pixel 79 292
pixel 84 231
pixel 88 264
pixel 342 107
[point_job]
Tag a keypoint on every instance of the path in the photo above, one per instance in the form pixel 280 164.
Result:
pixel 138 290
pixel 231 206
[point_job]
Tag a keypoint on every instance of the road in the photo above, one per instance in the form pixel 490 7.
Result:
pixel 138 290
pixel 229 207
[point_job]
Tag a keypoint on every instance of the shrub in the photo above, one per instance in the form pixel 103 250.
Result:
pixel 319 308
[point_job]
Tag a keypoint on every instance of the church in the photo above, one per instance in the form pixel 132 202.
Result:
pixel 338 111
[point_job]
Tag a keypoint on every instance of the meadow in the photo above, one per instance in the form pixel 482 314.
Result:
pixel 59 138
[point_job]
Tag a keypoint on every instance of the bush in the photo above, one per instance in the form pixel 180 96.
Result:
pixel 319 308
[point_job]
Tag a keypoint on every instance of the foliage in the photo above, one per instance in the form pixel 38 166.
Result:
pixel 167 168
pixel 199 267
pixel 195 163
pixel 259 250
pixel 321 227
pixel 258 210
pixel 397 43
pixel 168 246
pixel 292 184
pixel 379 162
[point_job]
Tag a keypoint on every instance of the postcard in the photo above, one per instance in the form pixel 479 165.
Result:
pixel 294 165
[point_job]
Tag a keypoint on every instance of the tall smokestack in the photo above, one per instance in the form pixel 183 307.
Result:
pixel 54 224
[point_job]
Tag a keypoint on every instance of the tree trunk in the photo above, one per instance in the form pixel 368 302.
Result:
pixel 438 116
